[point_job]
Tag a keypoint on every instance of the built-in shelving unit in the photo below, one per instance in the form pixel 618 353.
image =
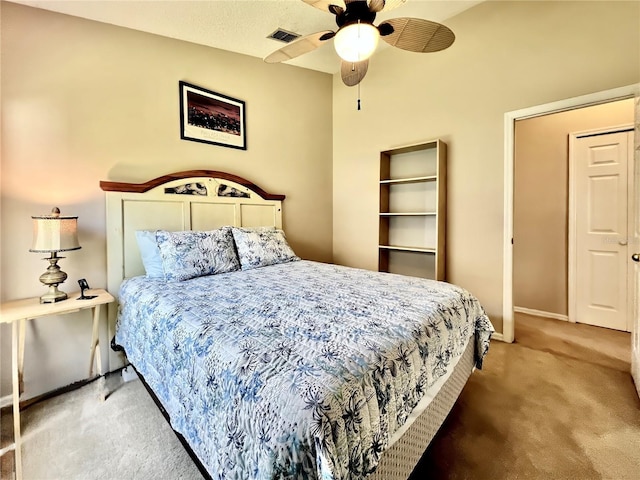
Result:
pixel 413 192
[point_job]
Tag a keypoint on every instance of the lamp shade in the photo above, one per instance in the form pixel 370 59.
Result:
pixel 55 233
pixel 356 42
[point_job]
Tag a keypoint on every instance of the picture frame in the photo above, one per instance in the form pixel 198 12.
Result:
pixel 210 117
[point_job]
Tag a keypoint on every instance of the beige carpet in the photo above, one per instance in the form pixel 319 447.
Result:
pixel 558 404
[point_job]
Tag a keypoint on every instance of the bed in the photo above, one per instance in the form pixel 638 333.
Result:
pixel 269 366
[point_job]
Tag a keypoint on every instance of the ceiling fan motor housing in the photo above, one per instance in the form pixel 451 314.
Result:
pixel 355 12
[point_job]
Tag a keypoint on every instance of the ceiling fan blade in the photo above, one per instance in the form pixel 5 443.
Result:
pixel 299 47
pixel 376 5
pixel 333 6
pixel 417 35
pixel 384 5
pixel 336 9
pixel 353 72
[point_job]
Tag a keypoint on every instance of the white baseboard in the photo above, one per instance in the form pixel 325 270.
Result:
pixel 6 401
pixel 497 336
pixel 540 313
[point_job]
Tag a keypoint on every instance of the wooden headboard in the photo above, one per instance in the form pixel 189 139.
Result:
pixel 191 200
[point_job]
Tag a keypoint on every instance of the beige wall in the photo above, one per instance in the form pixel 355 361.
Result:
pixel 84 102
pixel 507 56
pixel 541 192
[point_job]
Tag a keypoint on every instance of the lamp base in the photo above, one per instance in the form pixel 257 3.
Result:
pixel 52 278
pixel 53 295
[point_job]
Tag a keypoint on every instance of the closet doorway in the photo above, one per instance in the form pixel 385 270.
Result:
pixel 510 119
pixel 559 270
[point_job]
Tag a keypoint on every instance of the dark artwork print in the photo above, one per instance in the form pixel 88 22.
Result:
pixel 212 114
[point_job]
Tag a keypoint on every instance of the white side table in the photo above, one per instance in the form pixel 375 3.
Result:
pixel 17 313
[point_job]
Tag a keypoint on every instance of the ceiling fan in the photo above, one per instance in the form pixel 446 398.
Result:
pixel 357 37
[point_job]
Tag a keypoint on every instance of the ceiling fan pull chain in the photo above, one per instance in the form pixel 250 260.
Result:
pixel 358 96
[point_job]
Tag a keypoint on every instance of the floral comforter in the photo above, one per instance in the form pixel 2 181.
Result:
pixel 298 370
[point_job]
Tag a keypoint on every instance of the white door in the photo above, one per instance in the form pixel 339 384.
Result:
pixel 634 226
pixel 601 168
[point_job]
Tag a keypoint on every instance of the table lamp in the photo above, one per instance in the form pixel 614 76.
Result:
pixel 52 234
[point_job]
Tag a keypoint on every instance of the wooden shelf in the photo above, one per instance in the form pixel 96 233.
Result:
pixel 412 210
pixel 398 181
pixel 408 249
pixel 407 214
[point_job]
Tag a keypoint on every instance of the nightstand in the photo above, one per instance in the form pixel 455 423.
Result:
pixel 17 313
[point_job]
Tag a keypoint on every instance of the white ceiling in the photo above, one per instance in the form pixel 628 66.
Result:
pixel 238 25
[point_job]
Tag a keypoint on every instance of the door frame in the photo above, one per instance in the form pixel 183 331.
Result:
pixel 572 300
pixel 606 96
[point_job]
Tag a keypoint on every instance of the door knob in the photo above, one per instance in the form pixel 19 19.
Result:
pixel 635 257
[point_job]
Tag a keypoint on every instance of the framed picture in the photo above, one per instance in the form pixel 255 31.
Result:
pixel 210 117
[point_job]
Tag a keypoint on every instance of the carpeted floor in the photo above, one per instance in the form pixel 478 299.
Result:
pixel 557 404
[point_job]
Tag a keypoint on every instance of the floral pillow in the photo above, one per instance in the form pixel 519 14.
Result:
pixel 262 247
pixel 191 254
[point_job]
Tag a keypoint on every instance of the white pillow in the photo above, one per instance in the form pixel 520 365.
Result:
pixel 150 253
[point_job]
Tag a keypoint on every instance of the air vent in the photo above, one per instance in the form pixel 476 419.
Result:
pixel 284 36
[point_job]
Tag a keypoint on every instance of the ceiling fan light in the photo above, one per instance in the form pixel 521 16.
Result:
pixel 356 42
